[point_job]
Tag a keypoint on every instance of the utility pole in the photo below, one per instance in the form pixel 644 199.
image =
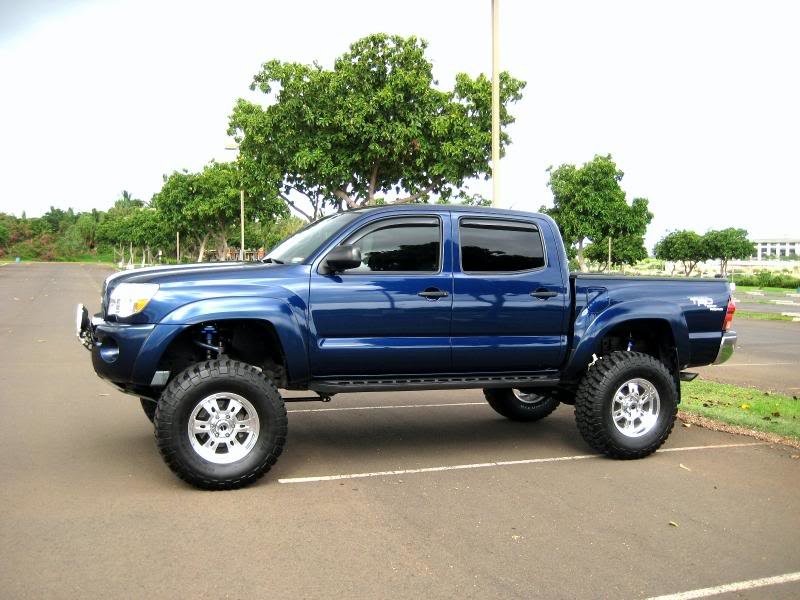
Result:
pixel 236 148
pixel 241 216
pixel 178 245
pixel 495 102
pixel 608 266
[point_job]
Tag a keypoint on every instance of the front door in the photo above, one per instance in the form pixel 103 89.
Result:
pixel 509 303
pixel 391 315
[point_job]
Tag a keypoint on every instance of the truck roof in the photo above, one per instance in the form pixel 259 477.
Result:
pixel 489 210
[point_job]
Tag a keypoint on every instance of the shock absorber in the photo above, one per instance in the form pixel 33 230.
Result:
pixel 208 333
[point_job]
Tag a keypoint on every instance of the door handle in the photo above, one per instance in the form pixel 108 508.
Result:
pixel 433 294
pixel 543 294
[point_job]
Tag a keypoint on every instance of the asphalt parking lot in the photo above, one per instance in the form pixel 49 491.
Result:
pixel 377 495
pixel 767 357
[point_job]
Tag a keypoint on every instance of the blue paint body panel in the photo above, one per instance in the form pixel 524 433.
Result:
pixel 362 324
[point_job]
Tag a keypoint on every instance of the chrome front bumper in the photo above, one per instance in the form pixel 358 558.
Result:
pixel 726 347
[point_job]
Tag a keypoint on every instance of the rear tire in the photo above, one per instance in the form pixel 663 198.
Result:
pixel 626 405
pixel 220 424
pixel 518 406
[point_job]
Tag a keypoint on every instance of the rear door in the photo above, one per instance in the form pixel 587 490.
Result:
pixel 391 315
pixel 509 302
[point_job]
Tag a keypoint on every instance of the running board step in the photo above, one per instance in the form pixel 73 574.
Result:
pixel 431 382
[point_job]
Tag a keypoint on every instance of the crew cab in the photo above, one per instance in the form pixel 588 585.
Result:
pixel 418 297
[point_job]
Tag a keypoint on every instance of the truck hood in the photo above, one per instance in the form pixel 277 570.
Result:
pixel 116 278
pixel 196 275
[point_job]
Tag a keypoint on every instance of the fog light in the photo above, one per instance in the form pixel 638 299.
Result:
pixel 109 350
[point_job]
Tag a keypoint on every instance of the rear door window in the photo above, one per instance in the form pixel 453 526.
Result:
pixel 500 246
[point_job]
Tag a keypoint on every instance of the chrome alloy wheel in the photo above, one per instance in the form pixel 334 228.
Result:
pixel 223 428
pixel 635 407
pixel 527 398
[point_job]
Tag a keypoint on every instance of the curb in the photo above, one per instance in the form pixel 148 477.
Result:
pixel 714 425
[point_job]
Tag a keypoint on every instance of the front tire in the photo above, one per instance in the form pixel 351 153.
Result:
pixel 149 408
pixel 626 405
pixel 518 405
pixel 220 424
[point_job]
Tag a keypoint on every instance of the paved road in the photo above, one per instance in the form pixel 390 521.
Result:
pixel 767 357
pixel 89 510
pixel 767 303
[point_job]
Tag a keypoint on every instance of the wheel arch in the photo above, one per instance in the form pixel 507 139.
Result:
pixel 659 327
pixel 266 330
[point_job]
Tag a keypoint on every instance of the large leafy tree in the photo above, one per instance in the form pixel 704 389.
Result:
pixel 627 250
pixel 375 126
pixel 726 244
pixel 685 247
pixel 589 205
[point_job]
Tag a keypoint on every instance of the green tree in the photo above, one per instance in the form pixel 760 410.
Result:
pixel 375 126
pixel 5 235
pixel 685 247
pixel 173 202
pixel 726 244
pixel 589 204
pixel 205 205
pixel 627 250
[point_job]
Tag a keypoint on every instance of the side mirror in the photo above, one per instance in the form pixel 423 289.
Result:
pixel 342 258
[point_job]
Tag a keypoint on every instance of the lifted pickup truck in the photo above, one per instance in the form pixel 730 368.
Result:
pixel 400 298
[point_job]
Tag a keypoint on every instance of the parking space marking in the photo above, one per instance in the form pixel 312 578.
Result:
pixel 499 463
pixel 731 587
pixel 339 408
pixel 757 364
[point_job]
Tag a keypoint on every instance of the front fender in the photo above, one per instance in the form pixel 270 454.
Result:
pixel 275 311
pixel 591 327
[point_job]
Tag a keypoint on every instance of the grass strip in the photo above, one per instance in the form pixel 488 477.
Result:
pixel 774 290
pixel 745 407
pixel 764 316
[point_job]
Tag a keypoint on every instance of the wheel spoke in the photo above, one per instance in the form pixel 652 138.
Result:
pixel 201 427
pixel 211 406
pixel 234 407
pixel 245 425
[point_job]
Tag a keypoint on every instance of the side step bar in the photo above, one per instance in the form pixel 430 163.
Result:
pixel 432 382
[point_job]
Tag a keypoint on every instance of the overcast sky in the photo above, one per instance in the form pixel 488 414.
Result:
pixel 698 101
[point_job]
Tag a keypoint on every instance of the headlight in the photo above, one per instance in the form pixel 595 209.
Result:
pixel 130 298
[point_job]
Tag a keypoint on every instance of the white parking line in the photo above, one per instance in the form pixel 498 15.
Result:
pixel 499 463
pixel 756 364
pixel 308 410
pixel 731 587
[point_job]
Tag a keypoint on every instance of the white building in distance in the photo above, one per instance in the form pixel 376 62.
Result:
pixel 772 248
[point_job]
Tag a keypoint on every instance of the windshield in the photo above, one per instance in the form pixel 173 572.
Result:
pixel 298 247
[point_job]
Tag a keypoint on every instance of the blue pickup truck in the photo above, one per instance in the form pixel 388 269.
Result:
pixel 417 297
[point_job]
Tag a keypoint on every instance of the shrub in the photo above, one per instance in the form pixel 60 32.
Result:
pixel 767 279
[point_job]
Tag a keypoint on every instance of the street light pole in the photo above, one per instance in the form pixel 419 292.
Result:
pixel 495 102
pixel 241 217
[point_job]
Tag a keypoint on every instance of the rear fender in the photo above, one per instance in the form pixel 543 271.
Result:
pixel 589 332
pixel 275 311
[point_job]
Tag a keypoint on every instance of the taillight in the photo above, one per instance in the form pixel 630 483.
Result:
pixel 726 324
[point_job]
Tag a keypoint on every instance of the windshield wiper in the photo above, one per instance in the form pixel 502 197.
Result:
pixel 269 259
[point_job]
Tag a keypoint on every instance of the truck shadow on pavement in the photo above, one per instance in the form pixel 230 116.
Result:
pixel 345 443
pixel 355 442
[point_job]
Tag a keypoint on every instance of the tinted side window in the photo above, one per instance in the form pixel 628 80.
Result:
pixel 488 245
pixel 410 245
